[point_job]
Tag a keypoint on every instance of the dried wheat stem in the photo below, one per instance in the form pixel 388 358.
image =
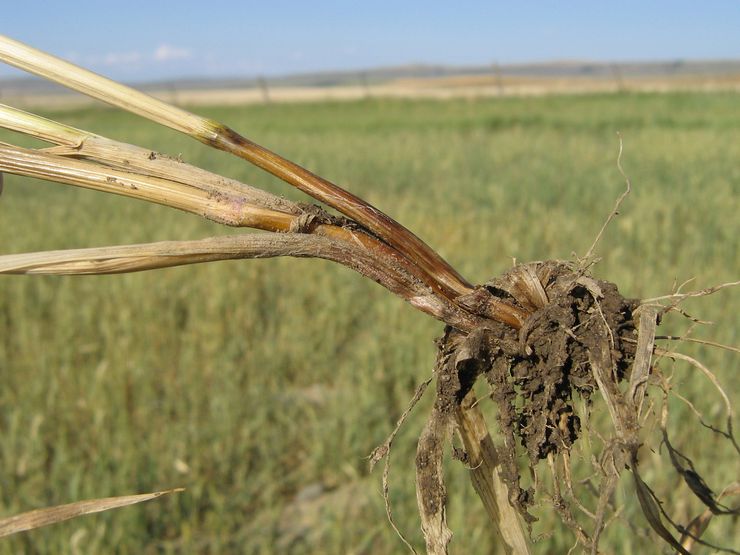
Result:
pixel 228 208
pixel 229 205
pixel 485 474
pixel 134 258
pixel 225 208
pixel 452 284
pixel 162 180
pixel 54 69
pixel 431 493
pixel 404 247
pixel 643 357
pixel 76 143
pixel 449 281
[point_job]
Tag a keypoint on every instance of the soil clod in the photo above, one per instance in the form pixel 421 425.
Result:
pixel 536 373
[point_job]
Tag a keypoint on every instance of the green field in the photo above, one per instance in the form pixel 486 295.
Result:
pixel 262 386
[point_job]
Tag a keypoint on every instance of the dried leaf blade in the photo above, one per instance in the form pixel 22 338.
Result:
pixel 51 515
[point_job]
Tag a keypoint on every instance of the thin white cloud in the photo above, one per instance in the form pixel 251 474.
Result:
pixel 168 53
pixel 122 58
pixel 109 59
pixel 164 53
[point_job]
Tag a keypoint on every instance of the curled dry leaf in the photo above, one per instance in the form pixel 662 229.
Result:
pixel 698 525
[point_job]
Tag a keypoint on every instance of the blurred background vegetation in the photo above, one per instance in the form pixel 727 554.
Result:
pixel 262 386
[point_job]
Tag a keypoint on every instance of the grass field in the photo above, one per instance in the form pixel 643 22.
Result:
pixel 262 386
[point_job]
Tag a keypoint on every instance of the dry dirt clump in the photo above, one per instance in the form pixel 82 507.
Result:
pixel 534 373
pixel 582 343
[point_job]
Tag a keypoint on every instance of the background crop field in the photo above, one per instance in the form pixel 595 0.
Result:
pixel 262 386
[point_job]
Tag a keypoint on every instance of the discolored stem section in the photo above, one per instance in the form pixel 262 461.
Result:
pixel 133 258
pixel 235 210
pixel 233 207
pixel 451 282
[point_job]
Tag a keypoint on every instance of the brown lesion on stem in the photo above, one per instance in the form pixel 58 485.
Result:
pixel 231 206
pixel 226 201
pixel 352 206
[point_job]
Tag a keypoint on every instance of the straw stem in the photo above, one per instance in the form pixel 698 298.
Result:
pixel 77 143
pixel 148 256
pixel 215 134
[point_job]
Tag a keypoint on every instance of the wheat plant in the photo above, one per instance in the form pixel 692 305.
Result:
pixel 552 342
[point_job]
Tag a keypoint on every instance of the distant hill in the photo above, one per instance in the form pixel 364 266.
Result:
pixel 377 76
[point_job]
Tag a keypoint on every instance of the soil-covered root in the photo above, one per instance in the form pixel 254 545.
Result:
pixel 583 344
pixel 537 372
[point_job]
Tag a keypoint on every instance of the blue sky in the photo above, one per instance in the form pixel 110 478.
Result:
pixel 145 40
